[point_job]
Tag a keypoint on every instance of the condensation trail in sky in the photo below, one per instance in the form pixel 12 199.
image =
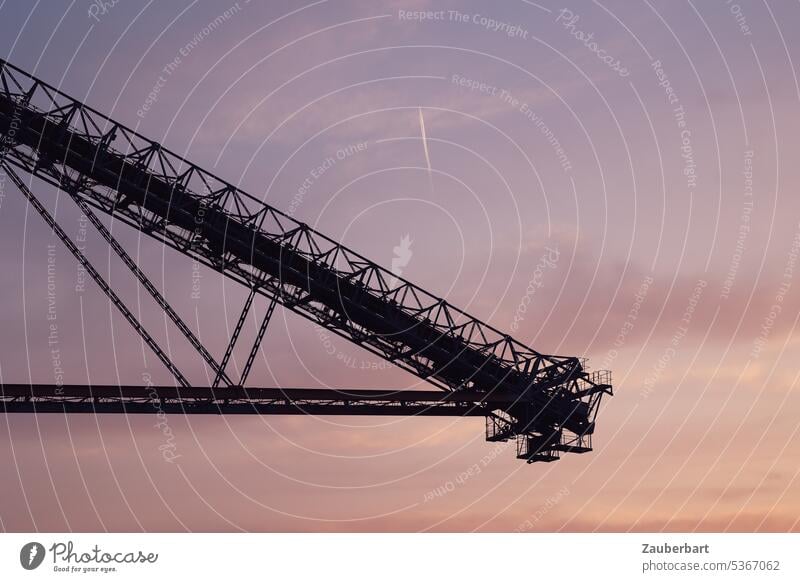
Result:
pixel 425 147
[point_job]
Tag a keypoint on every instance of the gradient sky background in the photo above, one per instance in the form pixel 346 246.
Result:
pixel 705 440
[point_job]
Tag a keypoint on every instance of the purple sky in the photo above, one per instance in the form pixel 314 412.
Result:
pixel 662 180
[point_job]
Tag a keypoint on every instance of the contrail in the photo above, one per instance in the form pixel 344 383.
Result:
pixel 425 146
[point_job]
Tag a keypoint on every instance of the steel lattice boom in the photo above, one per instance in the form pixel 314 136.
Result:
pixel 548 403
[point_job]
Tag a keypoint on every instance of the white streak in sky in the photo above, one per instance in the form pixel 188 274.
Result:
pixel 425 146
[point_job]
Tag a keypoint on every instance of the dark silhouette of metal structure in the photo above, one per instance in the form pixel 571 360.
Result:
pixel 547 403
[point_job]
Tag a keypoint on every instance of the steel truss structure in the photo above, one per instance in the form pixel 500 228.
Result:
pixel 547 403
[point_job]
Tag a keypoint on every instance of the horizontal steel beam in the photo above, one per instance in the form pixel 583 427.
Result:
pixel 330 409
pixel 110 399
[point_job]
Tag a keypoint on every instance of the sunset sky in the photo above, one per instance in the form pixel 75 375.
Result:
pixel 635 190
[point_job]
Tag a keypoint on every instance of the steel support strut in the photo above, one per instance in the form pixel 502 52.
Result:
pixel 260 336
pixel 262 329
pixel 234 337
pixel 76 252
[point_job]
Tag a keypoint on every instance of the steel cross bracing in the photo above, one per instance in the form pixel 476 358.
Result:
pixel 94 274
pixel 542 400
pixel 148 285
